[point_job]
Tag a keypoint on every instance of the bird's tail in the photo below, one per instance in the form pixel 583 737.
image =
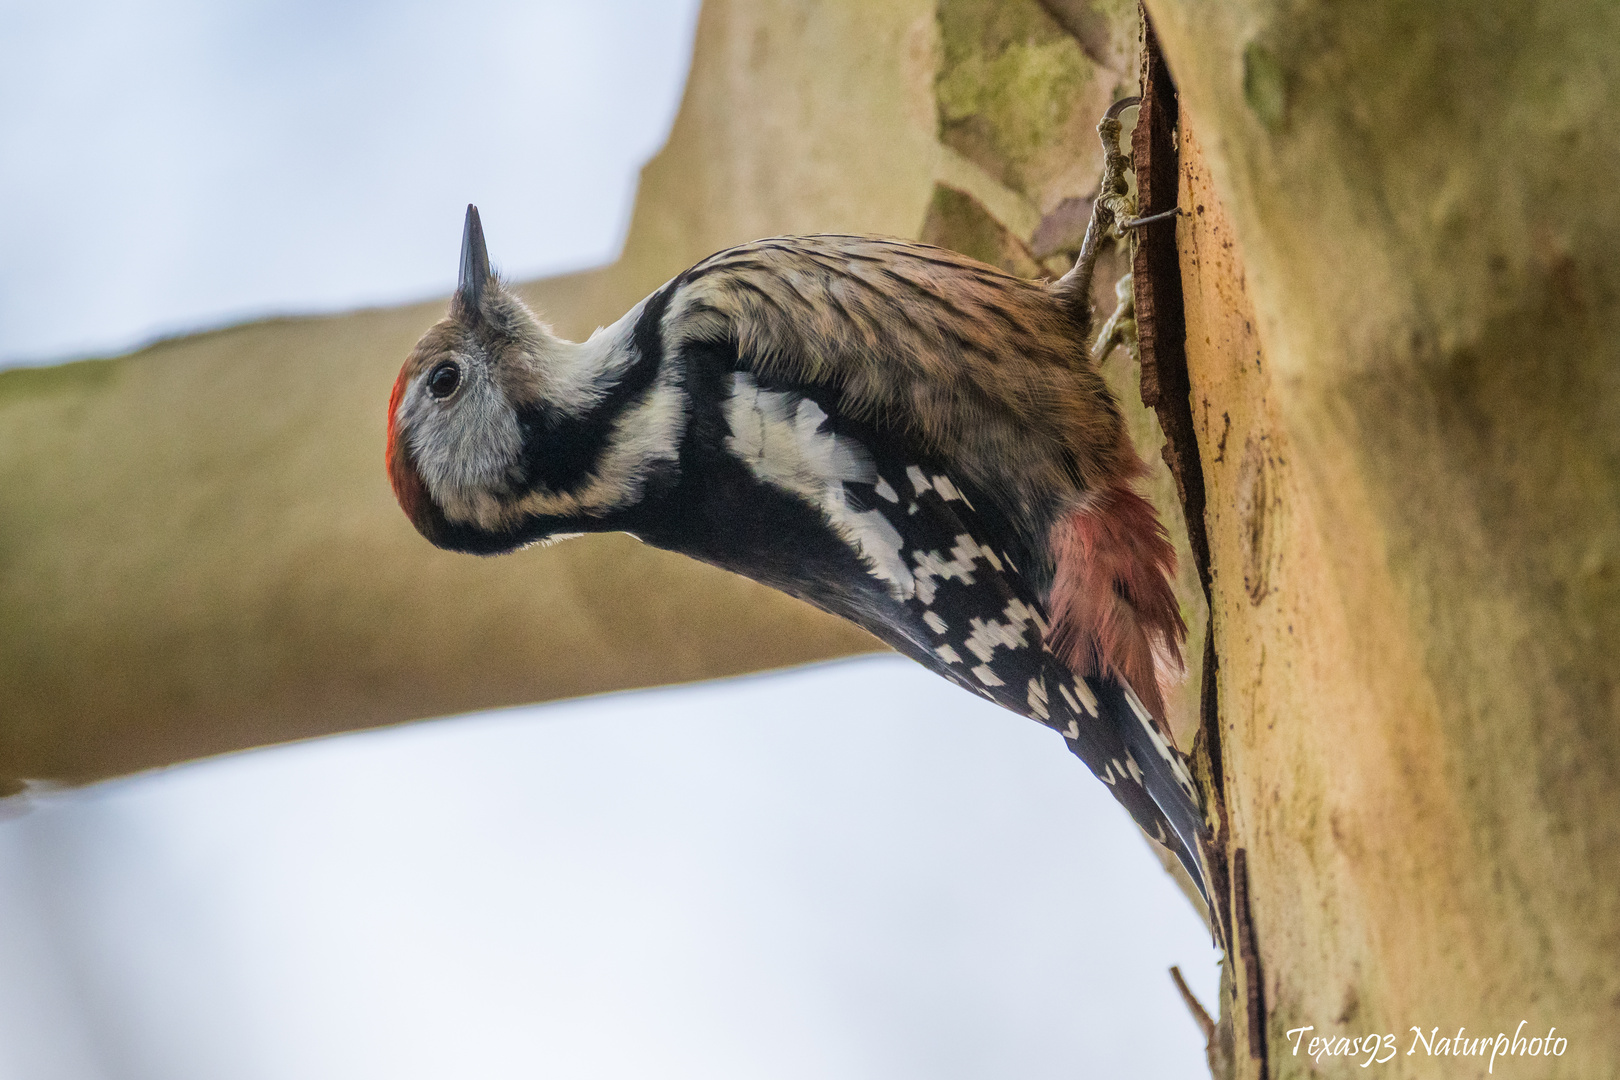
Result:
pixel 1116 623
pixel 1163 773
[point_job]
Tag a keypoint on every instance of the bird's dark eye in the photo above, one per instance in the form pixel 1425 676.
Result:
pixel 443 380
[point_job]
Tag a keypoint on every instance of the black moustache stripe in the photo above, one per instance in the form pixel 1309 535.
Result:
pixel 560 451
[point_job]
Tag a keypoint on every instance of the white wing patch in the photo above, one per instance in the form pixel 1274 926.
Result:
pixel 930 567
pixel 1037 698
pixel 1085 702
pixel 988 635
pixel 778 436
pixel 940 484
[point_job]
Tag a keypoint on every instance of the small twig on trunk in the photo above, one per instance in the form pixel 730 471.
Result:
pixel 1199 1014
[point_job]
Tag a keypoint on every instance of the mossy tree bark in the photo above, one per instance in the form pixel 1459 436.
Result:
pixel 1403 341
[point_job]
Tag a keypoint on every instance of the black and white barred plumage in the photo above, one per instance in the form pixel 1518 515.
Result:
pixel 900 435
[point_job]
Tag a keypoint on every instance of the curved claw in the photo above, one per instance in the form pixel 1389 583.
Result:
pixel 1120 106
pixel 1112 206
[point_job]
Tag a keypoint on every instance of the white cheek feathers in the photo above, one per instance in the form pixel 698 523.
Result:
pixel 463 446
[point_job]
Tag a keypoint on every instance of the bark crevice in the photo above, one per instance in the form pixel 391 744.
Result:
pixel 1166 389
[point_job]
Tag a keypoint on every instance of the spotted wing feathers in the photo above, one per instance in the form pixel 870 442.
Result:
pixel 966 611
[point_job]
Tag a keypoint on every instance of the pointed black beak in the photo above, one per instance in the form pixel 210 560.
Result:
pixel 475 273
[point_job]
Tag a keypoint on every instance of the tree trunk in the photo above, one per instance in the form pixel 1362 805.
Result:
pixel 1399 271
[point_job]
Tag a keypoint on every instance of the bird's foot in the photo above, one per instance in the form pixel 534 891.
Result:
pixel 1112 206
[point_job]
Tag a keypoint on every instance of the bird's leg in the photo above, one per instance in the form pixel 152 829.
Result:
pixel 1113 218
pixel 1112 207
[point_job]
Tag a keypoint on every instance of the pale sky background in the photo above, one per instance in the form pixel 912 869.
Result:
pixel 171 164
pixel 842 872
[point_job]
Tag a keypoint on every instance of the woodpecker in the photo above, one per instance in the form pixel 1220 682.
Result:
pixel 896 433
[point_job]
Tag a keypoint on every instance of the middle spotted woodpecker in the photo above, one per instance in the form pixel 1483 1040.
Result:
pixel 899 434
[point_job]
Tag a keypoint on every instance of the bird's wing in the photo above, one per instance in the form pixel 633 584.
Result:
pixel 984 370
pixel 959 604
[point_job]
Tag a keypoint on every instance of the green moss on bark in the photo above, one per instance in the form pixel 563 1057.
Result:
pixel 1007 86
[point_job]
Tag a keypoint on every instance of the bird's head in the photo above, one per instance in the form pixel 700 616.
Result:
pixel 495 438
